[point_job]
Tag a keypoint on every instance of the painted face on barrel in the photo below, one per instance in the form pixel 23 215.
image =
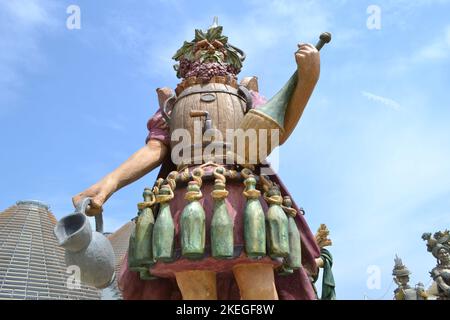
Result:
pixel 206 51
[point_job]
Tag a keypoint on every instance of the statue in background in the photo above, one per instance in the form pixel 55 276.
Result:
pixel 404 291
pixel 421 292
pixel 439 246
pixel 325 261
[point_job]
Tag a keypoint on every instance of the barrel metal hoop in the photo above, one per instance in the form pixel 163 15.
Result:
pixel 186 93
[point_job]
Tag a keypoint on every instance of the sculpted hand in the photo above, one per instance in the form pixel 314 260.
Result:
pixel 308 62
pixel 98 193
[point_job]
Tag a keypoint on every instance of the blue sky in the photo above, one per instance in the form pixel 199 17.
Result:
pixel 370 157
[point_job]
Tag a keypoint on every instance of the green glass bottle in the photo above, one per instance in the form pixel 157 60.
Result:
pixel 164 229
pixel 131 259
pixel 221 225
pixel 277 225
pixel 254 224
pixel 132 262
pixel 192 224
pixel 144 230
pixel 294 260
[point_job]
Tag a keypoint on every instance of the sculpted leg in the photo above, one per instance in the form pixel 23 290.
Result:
pixel 197 284
pixel 256 281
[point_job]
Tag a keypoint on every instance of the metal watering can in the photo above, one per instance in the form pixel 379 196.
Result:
pixel 90 251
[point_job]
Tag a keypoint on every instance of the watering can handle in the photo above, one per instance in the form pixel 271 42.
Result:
pixel 81 208
pixel 99 223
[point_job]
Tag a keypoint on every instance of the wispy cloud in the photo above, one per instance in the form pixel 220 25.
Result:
pixel 276 25
pixel 22 24
pixel 267 25
pixel 384 101
pixel 424 53
pixel 438 49
pixel 400 13
pixel 27 13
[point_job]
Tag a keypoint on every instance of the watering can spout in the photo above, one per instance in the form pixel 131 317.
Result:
pixel 90 251
pixel 73 232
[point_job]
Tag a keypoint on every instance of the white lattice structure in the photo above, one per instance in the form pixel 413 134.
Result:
pixel 31 263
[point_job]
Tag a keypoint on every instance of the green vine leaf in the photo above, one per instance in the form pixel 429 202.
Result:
pixel 223 39
pixel 213 33
pixel 234 57
pixel 199 35
pixel 184 51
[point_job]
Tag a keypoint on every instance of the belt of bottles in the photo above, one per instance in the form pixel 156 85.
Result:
pixel 273 233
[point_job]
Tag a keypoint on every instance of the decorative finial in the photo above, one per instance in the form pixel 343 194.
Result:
pixel 215 23
pixel 398 264
pixel 399 268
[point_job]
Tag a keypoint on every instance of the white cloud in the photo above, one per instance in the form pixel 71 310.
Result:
pixel 277 24
pixel 149 46
pixel 438 49
pixel 27 13
pixel 268 25
pixel 22 24
pixel 400 13
pixel 425 53
pixel 384 101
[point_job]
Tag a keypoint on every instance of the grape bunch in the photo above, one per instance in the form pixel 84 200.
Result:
pixel 205 71
pixel 184 67
pixel 232 70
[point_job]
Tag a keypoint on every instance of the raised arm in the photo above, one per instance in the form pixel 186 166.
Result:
pixel 139 164
pixel 308 64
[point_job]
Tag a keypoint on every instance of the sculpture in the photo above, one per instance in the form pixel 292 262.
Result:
pixel 325 261
pixel 422 293
pixel 401 278
pixel 209 237
pixel 439 246
pixel 90 251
